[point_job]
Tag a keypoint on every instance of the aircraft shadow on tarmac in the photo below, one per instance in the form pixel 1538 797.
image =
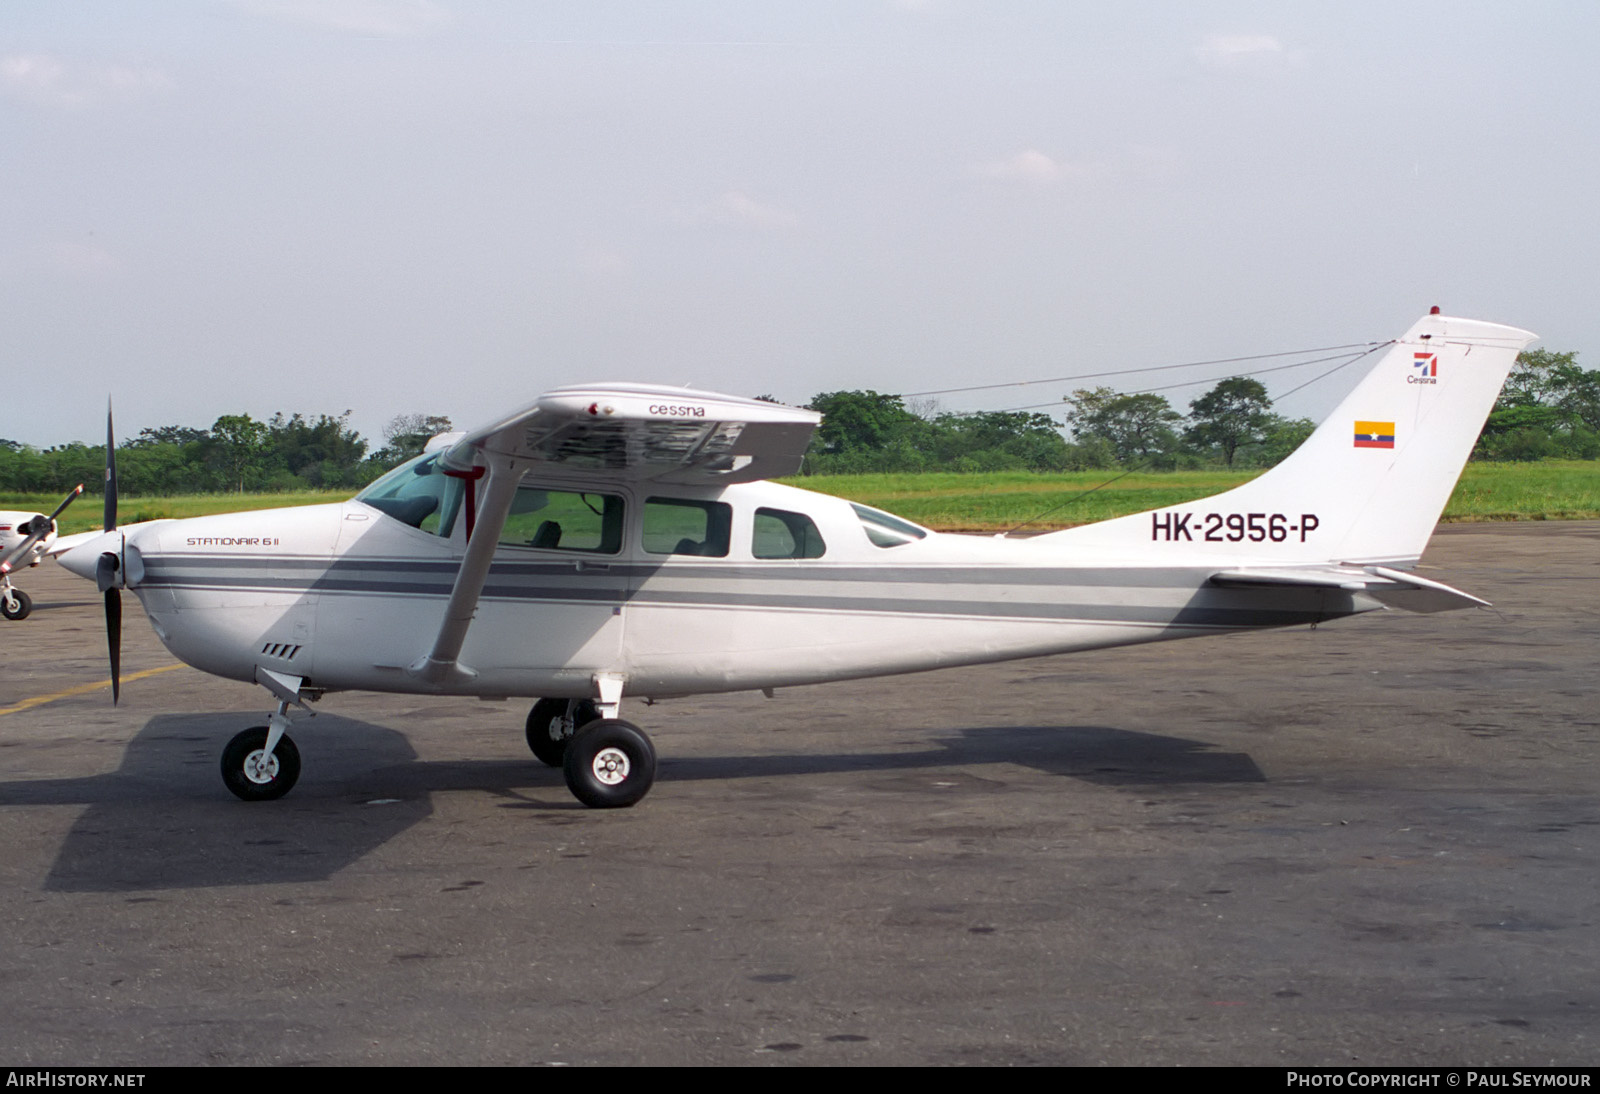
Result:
pixel 57 605
pixel 164 821
pixel 1094 754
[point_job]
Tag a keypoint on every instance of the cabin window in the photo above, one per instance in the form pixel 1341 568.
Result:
pixel 781 534
pixel 418 493
pixel 885 529
pixel 564 520
pixel 679 526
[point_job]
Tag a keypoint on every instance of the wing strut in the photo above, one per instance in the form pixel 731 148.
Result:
pixel 439 666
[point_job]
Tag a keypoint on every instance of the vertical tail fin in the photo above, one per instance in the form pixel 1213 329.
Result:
pixel 1368 486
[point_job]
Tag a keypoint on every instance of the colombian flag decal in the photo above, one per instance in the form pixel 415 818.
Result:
pixel 1374 434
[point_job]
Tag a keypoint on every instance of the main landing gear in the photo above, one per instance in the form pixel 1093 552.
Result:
pixel 608 763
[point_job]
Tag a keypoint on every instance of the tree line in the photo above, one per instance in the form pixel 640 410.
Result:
pixel 237 454
pixel 1550 407
pixel 1233 424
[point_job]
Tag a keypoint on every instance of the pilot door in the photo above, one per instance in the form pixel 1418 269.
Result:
pixel 552 604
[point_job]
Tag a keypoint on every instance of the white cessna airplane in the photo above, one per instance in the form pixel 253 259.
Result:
pixel 24 539
pixel 617 541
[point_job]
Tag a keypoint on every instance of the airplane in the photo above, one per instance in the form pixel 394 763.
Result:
pixel 25 538
pixel 623 541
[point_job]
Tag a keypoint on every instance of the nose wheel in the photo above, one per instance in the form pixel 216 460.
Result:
pixel 13 602
pixel 253 773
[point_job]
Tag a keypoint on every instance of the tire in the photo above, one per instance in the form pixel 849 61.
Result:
pixel 15 604
pixel 245 745
pixel 548 729
pixel 610 764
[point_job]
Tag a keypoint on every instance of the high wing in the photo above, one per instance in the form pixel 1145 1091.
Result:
pixel 643 431
pixel 611 431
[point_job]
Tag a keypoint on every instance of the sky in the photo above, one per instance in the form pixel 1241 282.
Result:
pixel 216 207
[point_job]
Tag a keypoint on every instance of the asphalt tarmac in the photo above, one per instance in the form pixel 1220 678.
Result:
pixel 1376 842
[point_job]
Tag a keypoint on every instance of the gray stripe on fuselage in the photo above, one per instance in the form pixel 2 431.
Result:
pixel 603 566
pixel 561 582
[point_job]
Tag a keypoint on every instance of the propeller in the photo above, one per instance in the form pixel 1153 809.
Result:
pixel 108 570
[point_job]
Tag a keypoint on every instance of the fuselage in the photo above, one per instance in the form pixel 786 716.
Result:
pixel 677 590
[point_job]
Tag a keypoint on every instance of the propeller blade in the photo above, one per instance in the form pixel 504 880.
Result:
pixel 70 498
pixel 111 474
pixel 108 578
pixel 106 569
pixel 114 639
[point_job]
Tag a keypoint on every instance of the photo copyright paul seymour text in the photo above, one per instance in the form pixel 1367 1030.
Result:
pixel 1467 1079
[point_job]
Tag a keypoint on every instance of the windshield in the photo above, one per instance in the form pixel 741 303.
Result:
pixel 418 493
pixel 885 529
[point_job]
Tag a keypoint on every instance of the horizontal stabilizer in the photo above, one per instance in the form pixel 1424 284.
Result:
pixel 1392 588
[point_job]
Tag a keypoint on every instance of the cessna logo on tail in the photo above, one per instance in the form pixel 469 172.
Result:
pixel 1425 368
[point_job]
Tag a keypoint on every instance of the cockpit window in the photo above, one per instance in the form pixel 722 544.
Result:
pixel 778 533
pixel 418 493
pixel 886 530
pixel 564 520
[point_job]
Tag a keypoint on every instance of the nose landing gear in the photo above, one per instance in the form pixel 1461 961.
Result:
pixel 262 763
pixel 14 603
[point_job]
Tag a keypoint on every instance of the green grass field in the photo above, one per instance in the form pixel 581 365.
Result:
pixel 1003 500
pixel 84 514
pixel 1550 490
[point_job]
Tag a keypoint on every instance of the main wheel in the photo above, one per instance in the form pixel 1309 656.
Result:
pixel 248 778
pixel 610 764
pixel 549 728
pixel 15 604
